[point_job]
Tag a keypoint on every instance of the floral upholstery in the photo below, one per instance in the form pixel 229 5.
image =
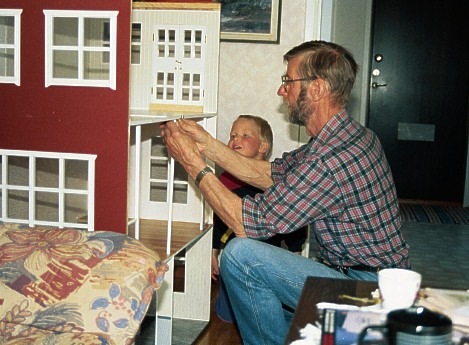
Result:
pixel 69 286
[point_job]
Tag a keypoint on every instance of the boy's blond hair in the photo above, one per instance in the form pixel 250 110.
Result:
pixel 265 130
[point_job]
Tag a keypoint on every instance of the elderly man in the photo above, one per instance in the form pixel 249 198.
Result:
pixel 339 183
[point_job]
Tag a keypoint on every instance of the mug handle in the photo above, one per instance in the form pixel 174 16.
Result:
pixel 383 330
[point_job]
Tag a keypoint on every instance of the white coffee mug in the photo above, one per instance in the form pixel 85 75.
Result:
pixel 398 287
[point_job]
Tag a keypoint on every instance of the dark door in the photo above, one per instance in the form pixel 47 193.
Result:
pixel 419 94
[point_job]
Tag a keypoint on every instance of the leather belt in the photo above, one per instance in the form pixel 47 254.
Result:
pixel 364 268
pixel 344 269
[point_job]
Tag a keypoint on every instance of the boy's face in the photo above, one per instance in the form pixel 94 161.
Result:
pixel 245 139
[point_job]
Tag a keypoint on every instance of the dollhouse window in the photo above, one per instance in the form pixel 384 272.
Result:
pixel 10 26
pixel 106 40
pixel 179 57
pixel 136 43
pixel 159 179
pixel 81 48
pixel 47 188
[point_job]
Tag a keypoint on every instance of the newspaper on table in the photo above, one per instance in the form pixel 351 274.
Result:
pixel 452 303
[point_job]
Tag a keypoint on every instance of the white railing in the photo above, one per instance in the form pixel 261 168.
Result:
pixel 27 190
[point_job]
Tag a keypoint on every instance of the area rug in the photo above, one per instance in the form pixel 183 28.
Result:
pixel 434 213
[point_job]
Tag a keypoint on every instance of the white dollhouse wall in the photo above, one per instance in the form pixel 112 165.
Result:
pixel 174 72
pixel 187 205
pixel 175 53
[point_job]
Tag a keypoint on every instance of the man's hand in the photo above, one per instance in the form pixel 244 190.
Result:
pixel 182 147
pixel 196 132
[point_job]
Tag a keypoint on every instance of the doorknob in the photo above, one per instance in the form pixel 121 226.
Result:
pixel 376 85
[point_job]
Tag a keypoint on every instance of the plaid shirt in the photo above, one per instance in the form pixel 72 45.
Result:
pixel 340 184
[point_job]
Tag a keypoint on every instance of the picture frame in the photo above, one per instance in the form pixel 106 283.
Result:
pixel 250 20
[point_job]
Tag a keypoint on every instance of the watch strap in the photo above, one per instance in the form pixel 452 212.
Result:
pixel 202 174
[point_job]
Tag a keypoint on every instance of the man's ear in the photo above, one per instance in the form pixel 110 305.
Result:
pixel 317 89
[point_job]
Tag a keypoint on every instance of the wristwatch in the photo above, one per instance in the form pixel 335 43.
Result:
pixel 202 174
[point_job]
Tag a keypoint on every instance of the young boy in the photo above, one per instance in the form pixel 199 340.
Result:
pixel 251 136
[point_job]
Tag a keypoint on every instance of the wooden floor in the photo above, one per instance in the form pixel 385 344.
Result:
pixel 153 235
pixel 218 331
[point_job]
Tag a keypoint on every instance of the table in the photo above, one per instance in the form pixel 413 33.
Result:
pixel 318 290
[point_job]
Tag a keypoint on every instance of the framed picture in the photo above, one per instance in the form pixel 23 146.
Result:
pixel 250 20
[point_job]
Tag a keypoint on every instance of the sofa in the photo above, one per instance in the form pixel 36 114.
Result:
pixel 71 286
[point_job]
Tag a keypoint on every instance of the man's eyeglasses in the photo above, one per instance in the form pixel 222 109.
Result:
pixel 286 81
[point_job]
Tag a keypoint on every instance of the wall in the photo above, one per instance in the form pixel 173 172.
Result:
pixel 90 120
pixel 351 27
pixel 250 76
pixel 250 72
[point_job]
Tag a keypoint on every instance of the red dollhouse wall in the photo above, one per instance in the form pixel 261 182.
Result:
pixel 91 120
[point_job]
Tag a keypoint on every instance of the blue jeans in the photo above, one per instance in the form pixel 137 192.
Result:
pixel 261 279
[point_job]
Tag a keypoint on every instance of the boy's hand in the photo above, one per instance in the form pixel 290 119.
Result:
pixel 215 265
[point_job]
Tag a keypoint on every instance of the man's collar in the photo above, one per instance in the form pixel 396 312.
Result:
pixel 335 121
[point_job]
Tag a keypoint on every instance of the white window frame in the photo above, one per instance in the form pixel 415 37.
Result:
pixel 31 188
pixel 81 15
pixel 16 46
pixel 136 44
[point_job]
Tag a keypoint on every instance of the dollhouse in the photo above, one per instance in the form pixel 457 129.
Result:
pixel 97 79
pixel 180 43
pixel 66 86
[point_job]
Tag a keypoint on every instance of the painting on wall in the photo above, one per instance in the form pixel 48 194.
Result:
pixel 250 20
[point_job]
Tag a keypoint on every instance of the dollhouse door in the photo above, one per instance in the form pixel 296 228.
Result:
pixel 178 65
